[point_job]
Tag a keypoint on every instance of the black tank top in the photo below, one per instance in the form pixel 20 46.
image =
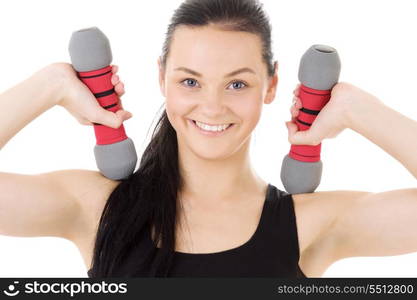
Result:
pixel 272 251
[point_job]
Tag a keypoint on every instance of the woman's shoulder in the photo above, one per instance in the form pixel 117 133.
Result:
pixel 89 185
pixel 316 213
pixel 83 182
pixel 90 189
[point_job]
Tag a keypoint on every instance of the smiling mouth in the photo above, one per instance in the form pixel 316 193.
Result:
pixel 194 121
pixel 209 132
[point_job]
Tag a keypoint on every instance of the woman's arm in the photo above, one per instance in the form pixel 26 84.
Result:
pixel 55 84
pixel 377 224
pixel 367 224
pixel 381 224
pixel 351 107
pixel 53 203
pixel 28 101
pixel 390 130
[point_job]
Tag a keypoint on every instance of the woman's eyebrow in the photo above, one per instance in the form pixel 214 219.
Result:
pixel 195 73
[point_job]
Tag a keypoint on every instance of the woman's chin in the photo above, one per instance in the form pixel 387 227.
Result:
pixel 209 147
pixel 209 152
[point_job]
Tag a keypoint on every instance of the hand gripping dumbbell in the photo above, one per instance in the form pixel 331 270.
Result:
pixel 318 72
pixel 91 56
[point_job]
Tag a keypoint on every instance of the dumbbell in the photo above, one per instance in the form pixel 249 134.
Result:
pixel 91 56
pixel 318 72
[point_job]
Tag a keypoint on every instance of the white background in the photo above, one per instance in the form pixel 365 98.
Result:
pixel 377 46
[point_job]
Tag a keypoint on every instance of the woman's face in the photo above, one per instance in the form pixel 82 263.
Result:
pixel 202 82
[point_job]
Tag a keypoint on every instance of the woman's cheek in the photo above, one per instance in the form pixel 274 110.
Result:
pixel 177 108
pixel 249 109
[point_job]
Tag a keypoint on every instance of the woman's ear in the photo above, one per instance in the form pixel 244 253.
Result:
pixel 161 77
pixel 272 85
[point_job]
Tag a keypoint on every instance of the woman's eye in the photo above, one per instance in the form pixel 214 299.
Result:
pixel 189 82
pixel 237 85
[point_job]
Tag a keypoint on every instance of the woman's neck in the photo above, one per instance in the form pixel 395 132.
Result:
pixel 216 181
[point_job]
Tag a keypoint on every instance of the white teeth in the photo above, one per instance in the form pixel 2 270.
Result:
pixel 212 128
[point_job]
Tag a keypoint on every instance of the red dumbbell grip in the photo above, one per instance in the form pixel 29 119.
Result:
pixel 312 101
pixel 99 83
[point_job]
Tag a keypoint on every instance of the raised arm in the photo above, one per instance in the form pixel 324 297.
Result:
pixel 32 205
pixel 351 107
pixel 393 132
pixel 377 224
pixel 384 223
pixel 28 99
pixel 371 224
pixel 52 203
pixel 55 84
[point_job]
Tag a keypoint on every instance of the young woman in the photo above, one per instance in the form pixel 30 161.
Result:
pixel 195 206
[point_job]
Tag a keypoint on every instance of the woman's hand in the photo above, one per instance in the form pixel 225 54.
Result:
pixel 332 119
pixel 81 103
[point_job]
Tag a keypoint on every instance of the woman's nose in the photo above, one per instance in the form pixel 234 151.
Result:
pixel 214 101
pixel 213 98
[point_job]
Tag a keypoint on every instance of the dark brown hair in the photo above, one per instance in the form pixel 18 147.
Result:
pixel 148 197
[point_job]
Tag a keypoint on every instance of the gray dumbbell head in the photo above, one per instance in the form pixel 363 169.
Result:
pixel 116 161
pixel 89 50
pixel 319 67
pixel 300 177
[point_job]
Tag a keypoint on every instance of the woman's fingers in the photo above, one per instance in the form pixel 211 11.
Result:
pixel 115 79
pixel 298 103
pixel 119 89
pixel 295 107
pixel 294 111
pixel 296 91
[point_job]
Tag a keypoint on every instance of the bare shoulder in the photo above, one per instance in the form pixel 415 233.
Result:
pixel 81 181
pixel 316 213
pixel 91 190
